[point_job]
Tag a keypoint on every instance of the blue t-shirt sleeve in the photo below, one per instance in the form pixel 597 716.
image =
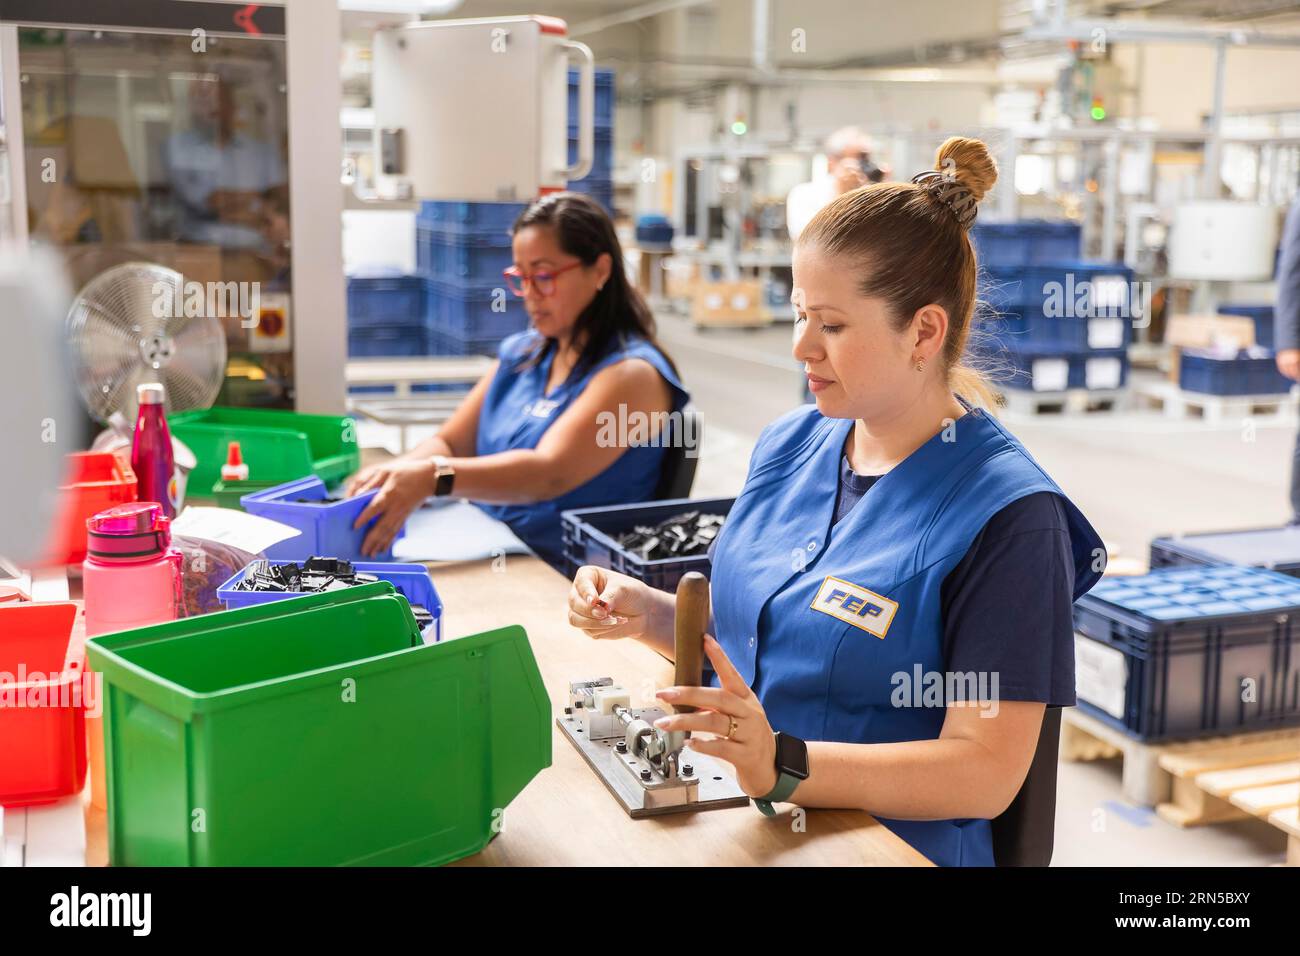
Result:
pixel 1008 605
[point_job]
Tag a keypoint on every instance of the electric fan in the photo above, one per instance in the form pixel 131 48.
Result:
pixel 128 326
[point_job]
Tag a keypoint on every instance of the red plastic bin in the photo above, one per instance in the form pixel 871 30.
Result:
pixel 96 481
pixel 42 721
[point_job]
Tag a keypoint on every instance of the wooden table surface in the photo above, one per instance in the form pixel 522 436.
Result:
pixel 565 816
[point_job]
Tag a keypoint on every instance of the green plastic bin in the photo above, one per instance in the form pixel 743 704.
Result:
pixel 227 493
pixel 276 444
pixel 230 739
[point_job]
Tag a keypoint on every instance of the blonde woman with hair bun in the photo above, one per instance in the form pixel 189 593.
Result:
pixel 892 589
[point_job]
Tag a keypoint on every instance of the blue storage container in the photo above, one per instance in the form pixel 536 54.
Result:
pixel 446 343
pixel 478 311
pixel 326 527
pixel 478 218
pixel 1277 549
pixel 465 257
pixel 377 341
pixel 412 581
pixel 1263 316
pixel 589 538
pixel 603 111
pixel 385 300
pixel 602 158
pixel 1025 242
pixel 1063 289
pixel 1016 330
pixel 1212 374
pixel 1054 370
pixel 1190 652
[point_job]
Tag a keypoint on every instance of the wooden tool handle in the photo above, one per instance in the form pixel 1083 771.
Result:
pixel 691 622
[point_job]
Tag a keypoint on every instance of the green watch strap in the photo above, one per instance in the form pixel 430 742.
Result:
pixel 785 786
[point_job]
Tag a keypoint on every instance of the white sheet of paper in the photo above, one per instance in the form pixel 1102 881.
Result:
pixel 452 529
pixel 231 526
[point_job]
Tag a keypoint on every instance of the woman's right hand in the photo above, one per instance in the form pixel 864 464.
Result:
pixel 372 476
pixel 606 604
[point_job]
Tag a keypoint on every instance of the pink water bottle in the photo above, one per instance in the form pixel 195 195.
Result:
pixel 151 450
pixel 131 575
pixel 131 578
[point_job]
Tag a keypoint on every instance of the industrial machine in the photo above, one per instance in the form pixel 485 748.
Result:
pixel 498 83
pixel 646 768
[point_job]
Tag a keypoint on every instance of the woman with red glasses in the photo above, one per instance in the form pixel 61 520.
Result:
pixel 543 431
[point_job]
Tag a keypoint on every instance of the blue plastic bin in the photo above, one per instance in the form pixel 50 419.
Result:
pixel 1211 374
pixel 446 343
pixel 1016 330
pixel 465 257
pixel 1091 369
pixel 1025 242
pixel 1172 654
pixel 388 341
pixel 604 99
pixel 589 538
pixel 412 581
pixel 1263 316
pixel 384 300
pixel 1063 289
pixel 479 312
pixel 326 528
pixel 491 218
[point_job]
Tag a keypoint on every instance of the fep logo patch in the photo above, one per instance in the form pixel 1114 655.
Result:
pixel 855 605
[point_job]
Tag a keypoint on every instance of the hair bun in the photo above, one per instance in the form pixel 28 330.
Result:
pixel 969 162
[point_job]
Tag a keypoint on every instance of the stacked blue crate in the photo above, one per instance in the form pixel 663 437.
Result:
pixel 461 250
pixel 599 182
pixel 386 315
pixel 1050 321
pixel 1169 654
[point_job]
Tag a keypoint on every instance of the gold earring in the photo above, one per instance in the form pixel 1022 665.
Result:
pixel 920 365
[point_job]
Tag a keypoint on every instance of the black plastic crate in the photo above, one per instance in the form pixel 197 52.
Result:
pixel 590 535
pixel 1277 549
pixel 1190 652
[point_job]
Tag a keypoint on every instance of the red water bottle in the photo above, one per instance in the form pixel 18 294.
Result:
pixel 151 450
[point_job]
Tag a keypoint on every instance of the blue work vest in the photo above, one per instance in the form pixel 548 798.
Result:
pixel 819 619
pixel 518 410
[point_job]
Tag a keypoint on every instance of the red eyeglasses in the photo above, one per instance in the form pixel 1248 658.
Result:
pixel 543 282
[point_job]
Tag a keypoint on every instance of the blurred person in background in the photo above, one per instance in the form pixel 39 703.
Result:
pixel 848 166
pixel 1286 328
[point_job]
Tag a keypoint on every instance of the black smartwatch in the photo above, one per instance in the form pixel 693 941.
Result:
pixel 444 476
pixel 791 769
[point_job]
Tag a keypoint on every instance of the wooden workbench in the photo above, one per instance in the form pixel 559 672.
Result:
pixel 565 816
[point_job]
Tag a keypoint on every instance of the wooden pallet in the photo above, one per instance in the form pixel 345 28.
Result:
pixel 1148 778
pixel 1071 401
pixel 1176 403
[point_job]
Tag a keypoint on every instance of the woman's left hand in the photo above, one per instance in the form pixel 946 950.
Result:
pixel 732 713
pixel 405 487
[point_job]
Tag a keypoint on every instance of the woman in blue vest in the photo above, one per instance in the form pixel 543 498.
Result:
pixel 573 412
pixel 892 589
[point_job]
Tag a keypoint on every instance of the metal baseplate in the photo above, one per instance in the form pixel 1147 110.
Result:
pixel 645 768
